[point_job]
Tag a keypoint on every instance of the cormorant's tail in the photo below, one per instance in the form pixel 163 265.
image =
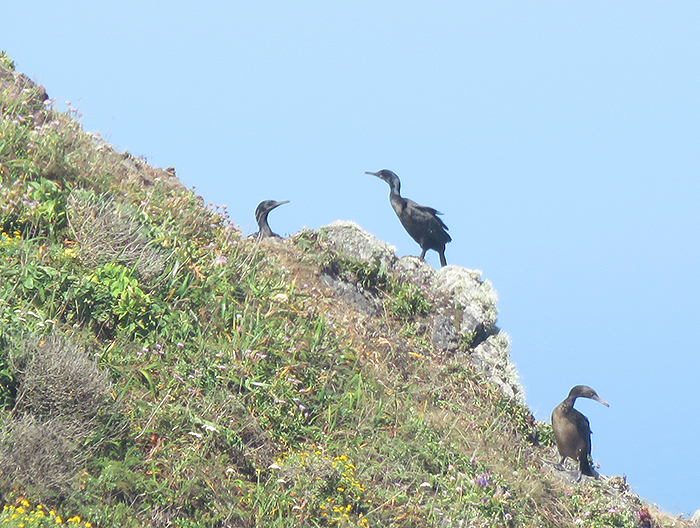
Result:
pixel 584 465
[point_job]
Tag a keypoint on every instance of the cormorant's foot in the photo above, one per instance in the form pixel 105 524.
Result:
pixel 556 465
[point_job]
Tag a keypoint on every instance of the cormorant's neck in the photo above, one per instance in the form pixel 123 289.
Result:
pixel 569 401
pixel 264 227
pixel 395 186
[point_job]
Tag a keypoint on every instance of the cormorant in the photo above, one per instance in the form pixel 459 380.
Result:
pixel 420 221
pixel 261 213
pixel 572 430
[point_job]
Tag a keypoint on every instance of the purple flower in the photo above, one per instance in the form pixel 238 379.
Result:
pixel 482 480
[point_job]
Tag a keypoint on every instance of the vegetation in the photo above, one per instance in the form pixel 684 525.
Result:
pixel 156 369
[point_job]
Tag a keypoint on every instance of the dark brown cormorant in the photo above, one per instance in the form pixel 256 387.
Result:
pixel 572 430
pixel 421 222
pixel 261 213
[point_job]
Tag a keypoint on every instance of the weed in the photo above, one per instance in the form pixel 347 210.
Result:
pixel 6 62
pixel 407 300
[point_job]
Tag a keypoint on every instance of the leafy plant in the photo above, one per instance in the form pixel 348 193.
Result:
pixel 48 204
pixel 131 305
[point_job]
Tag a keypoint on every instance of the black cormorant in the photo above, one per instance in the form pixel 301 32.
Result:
pixel 421 222
pixel 572 430
pixel 261 213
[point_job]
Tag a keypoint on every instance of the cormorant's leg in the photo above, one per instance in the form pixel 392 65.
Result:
pixel 422 254
pixel 560 465
pixel 443 261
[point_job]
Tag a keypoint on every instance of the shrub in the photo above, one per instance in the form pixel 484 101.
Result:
pixel 54 428
pixel 57 379
pixel 41 454
pixel 107 232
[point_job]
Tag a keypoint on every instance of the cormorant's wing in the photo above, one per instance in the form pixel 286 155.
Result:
pixel 584 427
pixel 427 210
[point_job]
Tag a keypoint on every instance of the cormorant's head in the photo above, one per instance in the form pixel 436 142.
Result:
pixel 384 174
pixel 583 391
pixel 265 207
pixel 389 177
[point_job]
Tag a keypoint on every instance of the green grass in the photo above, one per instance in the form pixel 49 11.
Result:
pixel 225 387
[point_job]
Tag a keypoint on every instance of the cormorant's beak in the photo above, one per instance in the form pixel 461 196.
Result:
pixel 373 174
pixel 599 400
pixel 277 204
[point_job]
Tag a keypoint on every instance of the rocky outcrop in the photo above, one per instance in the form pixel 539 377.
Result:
pixel 17 84
pixel 464 315
pixel 351 240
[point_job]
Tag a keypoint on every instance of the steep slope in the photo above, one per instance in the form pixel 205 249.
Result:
pixel 160 370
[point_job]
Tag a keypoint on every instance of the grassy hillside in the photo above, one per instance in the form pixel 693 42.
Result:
pixel 157 369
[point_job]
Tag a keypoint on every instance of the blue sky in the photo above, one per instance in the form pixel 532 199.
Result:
pixel 560 139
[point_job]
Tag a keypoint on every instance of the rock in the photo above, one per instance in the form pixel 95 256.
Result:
pixel 352 241
pixel 464 303
pixel 471 300
pixel 361 300
pixel 444 337
pixel 492 358
pixel 15 83
pixel 415 270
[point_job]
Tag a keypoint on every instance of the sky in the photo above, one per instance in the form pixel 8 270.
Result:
pixel 560 140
